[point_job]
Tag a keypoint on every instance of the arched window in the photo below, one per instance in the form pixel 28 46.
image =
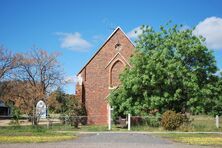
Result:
pixel 115 71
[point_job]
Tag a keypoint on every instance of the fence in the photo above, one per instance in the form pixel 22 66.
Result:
pixel 201 123
pixel 56 120
pixel 198 123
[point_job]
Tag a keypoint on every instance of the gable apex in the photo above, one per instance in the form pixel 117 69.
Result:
pixel 110 36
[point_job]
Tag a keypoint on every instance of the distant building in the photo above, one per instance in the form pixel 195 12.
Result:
pixel 101 75
pixel 5 111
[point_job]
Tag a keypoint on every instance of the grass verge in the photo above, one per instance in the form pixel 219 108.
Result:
pixel 195 139
pixel 34 139
pixel 30 134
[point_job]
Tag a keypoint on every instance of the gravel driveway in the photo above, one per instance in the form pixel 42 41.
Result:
pixel 107 140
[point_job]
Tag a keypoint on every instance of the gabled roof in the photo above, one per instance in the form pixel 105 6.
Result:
pixel 117 28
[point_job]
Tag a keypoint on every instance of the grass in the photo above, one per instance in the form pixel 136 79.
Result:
pixel 33 139
pixel 86 128
pixel 204 123
pixel 32 134
pixel 58 132
pixel 147 128
pixel 199 123
pixel 195 139
pixel 40 133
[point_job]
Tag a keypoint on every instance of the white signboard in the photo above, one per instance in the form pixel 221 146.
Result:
pixel 41 109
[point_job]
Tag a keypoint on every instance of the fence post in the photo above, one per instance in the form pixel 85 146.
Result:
pixel 109 118
pixel 217 121
pixel 129 116
pixel 48 123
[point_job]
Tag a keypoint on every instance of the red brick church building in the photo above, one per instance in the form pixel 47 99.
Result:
pixel 101 75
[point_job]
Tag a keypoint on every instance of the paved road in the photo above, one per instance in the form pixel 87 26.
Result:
pixel 108 140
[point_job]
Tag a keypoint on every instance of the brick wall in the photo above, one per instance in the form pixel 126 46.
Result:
pixel 101 73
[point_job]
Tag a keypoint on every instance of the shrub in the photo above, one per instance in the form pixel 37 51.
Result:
pixel 172 120
pixel 16 115
pixel 153 121
pixel 150 120
pixel 74 111
pixel 63 118
pixel 137 120
pixel 74 121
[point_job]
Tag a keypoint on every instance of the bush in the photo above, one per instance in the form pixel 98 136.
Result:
pixel 74 112
pixel 172 120
pixel 150 120
pixel 16 115
pixel 153 121
pixel 63 118
pixel 136 120
pixel 74 121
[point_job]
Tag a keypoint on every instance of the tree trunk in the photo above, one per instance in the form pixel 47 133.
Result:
pixel 34 116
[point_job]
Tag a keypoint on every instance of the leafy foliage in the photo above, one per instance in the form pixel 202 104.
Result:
pixel 154 121
pixel 69 107
pixel 217 106
pixel 60 102
pixel 171 70
pixel 57 101
pixel 16 115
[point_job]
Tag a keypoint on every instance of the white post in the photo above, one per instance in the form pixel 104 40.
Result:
pixel 217 121
pixel 109 118
pixel 129 116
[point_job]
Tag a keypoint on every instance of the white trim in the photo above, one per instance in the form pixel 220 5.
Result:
pixel 115 57
pixel 104 44
pixel 125 60
pixel 112 60
pixel 111 88
pixel 126 35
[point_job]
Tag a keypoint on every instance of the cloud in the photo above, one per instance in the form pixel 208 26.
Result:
pixel 211 29
pixel 133 34
pixel 97 38
pixel 70 79
pixel 73 41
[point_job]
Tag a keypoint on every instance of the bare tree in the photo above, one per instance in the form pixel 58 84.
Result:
pixel 7 61
pixel 37 75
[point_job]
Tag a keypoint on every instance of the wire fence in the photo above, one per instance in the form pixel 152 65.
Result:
pixel 196 123
pixel 55 121
pixel 200 123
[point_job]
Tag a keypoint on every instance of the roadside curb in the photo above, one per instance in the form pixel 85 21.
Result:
pixel 137 132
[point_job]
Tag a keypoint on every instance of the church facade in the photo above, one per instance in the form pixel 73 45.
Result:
pixel 101 75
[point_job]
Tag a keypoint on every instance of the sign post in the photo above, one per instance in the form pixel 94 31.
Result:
pixel 217 121
pixel 129 116
pixel 110 118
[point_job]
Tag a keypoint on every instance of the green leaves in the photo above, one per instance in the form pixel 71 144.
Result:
pixel 172 69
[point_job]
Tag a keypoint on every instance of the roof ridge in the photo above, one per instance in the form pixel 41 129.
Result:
pixel 109 37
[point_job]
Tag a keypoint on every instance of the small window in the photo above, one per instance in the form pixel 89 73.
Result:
pixel 118 47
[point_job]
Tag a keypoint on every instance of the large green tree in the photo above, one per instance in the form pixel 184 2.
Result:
pixel 171 69
pixel 217 106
